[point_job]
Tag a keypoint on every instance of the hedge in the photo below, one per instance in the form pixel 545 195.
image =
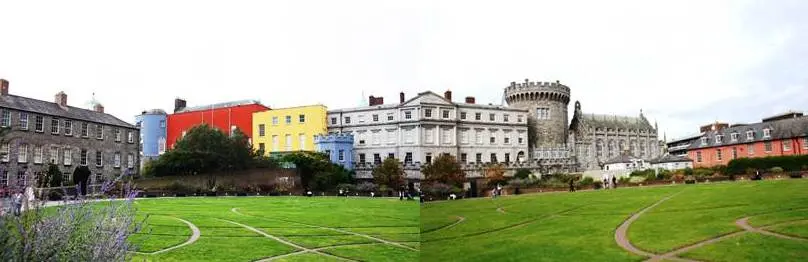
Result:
pixel 787 163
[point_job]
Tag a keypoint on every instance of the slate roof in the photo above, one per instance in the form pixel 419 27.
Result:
pixel 610 121
pixel 668 158
pixel 219 105
pixel 780 129
pixel 622 158
pixel 51 108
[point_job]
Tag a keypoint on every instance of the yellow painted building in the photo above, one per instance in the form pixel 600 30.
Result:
pixel 288 129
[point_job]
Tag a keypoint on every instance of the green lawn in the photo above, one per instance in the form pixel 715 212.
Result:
pixel 581 226
pixel 352 228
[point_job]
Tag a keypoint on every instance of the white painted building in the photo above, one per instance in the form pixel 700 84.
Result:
pixel 417 130
pixel 625 162
pixel 671 162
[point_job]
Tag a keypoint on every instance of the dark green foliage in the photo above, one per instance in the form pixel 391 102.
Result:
pixel 54 175
pixel 586 181
pixel 776 170
pixel 522 173
pixel 445 170
pixel 389 174
pixel 317 172
pixel 80 176
pixel 787 163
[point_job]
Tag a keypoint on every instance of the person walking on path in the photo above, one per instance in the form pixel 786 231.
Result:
pixel 17 203
pixel 614 182
pixel 572 184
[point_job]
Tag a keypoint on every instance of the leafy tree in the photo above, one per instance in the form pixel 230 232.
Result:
pixel 389 174
pixel 54 175
pixel 316 170
pixel 80 176
pixel 444 169
pixel 522 173
pixel 495 174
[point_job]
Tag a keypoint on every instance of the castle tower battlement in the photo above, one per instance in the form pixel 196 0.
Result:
pixel 546 103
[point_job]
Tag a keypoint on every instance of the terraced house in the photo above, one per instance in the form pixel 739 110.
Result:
pixel 44 132
pixel 781 135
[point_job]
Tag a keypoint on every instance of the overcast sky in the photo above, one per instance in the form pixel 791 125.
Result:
pixel 685 63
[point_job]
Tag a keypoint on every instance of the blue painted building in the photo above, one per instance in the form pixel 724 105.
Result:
pixel 152 124
pixel 339 148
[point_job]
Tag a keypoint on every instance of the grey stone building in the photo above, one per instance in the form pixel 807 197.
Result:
pixel 44 132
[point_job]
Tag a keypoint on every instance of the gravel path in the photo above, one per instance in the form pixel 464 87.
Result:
pixel 195 233
pixel 303 249
pixel 621 234
pixel 744 223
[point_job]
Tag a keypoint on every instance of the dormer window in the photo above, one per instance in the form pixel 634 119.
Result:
pixel 750 135
pixel 718 139
pixel 703 141
pixel 734 137
pixel 767 132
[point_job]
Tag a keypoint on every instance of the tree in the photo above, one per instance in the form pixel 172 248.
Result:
pixel 444 169
pixel 495 174
pixel 54 175
pixel 316 170
pixel 522 173
pixel 389 174
pixel 80 176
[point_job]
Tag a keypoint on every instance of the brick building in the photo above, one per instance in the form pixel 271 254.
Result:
pixel 781 135
pixel 44 132
pixel 224 116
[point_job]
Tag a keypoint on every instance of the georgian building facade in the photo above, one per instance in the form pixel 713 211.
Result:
pixel 418 130
pixel 42 132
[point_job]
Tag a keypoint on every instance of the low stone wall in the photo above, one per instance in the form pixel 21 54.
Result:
pixel 253 180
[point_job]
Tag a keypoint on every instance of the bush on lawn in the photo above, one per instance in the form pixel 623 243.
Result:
pixel 787 163
pixel 522 173
pixel 587 181
pixel 776 170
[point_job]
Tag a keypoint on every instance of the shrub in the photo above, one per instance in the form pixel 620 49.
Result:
pixel 179 187
pixel 776 170
pixel 522 173
pixel 636 179
pixel 348 187
pixel 624 180
pixel 597 184
pixel 586 181
pixel 367 187
pixel 664 174
pixel 787 163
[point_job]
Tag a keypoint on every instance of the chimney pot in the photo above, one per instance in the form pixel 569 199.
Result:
pixel 470 100
pixel 448 95
pixel 3 87
pixel 375 101
pixel 61 99
pixel 179 104
pixel 401 98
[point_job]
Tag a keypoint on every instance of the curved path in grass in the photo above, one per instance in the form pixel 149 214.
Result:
pixel 316 249
pixel 303 249
pixel 621 234
pixel 459 220
pixel 195 233
pixel 392 243
pixel 744 223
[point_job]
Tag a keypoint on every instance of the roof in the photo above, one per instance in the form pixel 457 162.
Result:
pixel 614 121
pixel 219 105
pixel 780 129
pixel 425 93
pixel 50 108
pixel 668 158
pixel 622 158
pixel 685 138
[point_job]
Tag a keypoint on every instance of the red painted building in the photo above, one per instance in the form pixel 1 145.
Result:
pixel 781 135
pixel 225 117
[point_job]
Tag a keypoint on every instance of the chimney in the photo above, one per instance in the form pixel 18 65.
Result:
pixel 401 98
pixel 448 95
pixel 179 104
pixel 61 99
pixel 469 100
pixel 98 108
pixel 4 87
pixel 375 101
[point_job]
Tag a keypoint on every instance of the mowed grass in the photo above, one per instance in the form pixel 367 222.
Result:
pixel 344 227
pixel 581 226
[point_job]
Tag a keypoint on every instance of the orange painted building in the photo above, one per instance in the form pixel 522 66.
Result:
pixel 780 135
pixel 225 116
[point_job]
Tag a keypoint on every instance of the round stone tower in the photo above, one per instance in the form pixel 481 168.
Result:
pixel 546 104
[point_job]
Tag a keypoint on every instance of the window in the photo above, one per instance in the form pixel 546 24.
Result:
pixel 429 135
pixel 507 157
pixel 362 158
pixel 6 121
pixel 275 143
pixel 377 137
pixel 23 121
pixel 408 158
pixel 478 135
pixel 333 120
pixel 261 148
pixel 361 137
pixel 302 141
pixel 463 158
pixel 261 130
pixel 66 176
pixel 39 124
pixel 68 127
pixel 391 136
pixel 478 158
pixel 54 155
pixel 478 116
pixel 341 155
pixel 288 145
pixel 493 158
pixel 407 114
pixel 698 156
pixel 750 149
pixel 464 136
pixel 130 161
pixel 98 178
pixel 750 135
pixel 99 159
pixel 767 132
pixel 389 116
pixel 718 139
pixel 68 156
pixel 288 119
pixel 22 178
pixel 408 136
pixel 4 178
pixel 447 136
pixel 492 117
pixel 427 112
pixel 22 154
pixel 117 132
pixel 428 158
pixel 507 140
pixel 38 155
pixel 55 126
pixel 99 131
pixel 377 159
pixel 543 113
pixel 130 137
pixel 347 119
pixel 718 154
pixel 85 130
pixel 805 143
pixel 116 160
pixel 445 113
pixel 274 120
pixel 162 124
pixel 519 119
pixel 734 153
pixel 767 146
pixel 703 141
pixel 734 137
pixel 521 138
pixel 375 118
pixel 301 118
pixel 493 140
pixel 786 145
pixel 505 117
pixel 361 118
pixel 463 115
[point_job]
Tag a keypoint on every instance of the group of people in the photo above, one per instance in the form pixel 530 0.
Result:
pixel 609 181
pixel 497 191
pixel 16 203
